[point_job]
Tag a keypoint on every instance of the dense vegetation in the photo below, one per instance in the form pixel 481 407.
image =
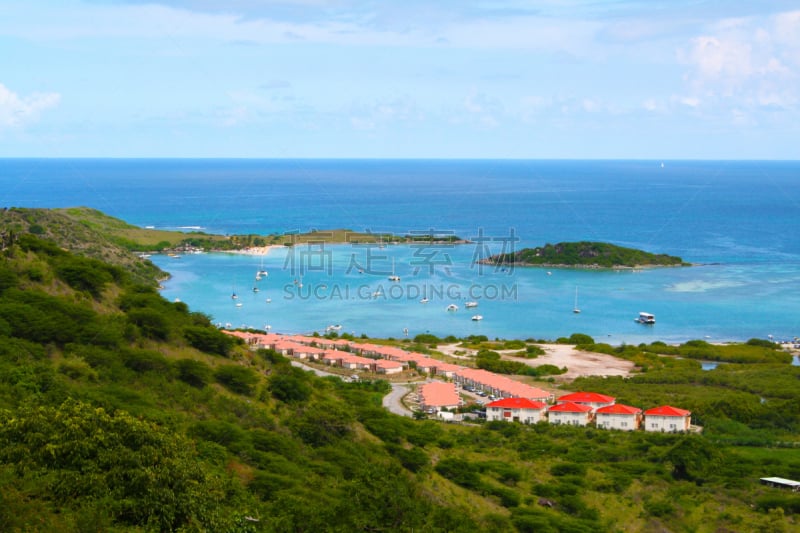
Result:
pixel 584 254
pixel 120 411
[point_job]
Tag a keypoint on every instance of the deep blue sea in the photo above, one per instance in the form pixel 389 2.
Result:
pixel 738 221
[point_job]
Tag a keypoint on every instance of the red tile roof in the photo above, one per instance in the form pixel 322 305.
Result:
pixel 667 410
pixel 619 409
pixel 569 407
pixel 439 394
pixel 517 403
pixel 586 397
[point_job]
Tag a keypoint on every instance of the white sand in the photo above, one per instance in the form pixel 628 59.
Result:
pixel 256 250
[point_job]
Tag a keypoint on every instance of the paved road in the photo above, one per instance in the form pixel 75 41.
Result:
pixel 393 403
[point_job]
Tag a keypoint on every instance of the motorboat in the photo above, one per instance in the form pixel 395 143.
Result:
pixel 452 307
pixel 424 301
pixel 477 317
pixel 471 304
pixel 646 318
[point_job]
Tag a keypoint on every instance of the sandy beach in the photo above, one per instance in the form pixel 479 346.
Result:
pixel 255 250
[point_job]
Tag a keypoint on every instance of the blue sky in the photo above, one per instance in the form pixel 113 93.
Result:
pixel 447 79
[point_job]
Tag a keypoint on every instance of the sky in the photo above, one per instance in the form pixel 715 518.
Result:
pixel 549 79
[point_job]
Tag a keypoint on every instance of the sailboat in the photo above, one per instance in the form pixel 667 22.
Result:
pixel 261 273
pixel 576 309
pixel 233 293
pixel 393 277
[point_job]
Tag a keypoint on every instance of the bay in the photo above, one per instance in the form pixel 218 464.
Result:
pixel 736 220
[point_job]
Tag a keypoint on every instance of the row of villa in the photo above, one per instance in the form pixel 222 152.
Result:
pixel 387 360
pixel 517 401
pixel 585 408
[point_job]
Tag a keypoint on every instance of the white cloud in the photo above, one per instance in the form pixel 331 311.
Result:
pixel 16 111
pixel 742 64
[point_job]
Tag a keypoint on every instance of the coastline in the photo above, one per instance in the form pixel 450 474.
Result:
pixel 252 250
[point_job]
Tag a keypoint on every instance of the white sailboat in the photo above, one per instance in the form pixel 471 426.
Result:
pixel 393 277
pixel 576 309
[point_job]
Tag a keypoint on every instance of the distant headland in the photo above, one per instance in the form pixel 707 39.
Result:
pixel 584 254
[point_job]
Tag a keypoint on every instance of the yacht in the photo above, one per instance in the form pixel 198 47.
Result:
pixel 646 318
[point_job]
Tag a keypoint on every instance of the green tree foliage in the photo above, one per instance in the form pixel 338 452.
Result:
pixel 491 361
pixel 208 339
pixel 585 253
pixel 195 373
pixel 236 378
pixel 144 475
pixel 290 386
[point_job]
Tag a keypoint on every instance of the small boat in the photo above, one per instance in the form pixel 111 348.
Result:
pixel 452 307
pixel 255 289
pixel 471 304
pixel 576 309
pixel 335 327
pixel 238 304
pixel 646 318
pixel 377 294
pixel 393 277
pixel 269 300
pixel 477 317
pixel 424 301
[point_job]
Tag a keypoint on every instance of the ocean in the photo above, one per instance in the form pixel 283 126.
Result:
pixel 737 222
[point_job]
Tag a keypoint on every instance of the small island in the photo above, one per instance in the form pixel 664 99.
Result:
pixel 584 254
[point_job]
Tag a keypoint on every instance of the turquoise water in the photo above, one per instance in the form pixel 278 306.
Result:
pixel 737 220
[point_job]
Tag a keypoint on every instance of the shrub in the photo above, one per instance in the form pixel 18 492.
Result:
pixel 208 339
pixel 145 361
pixel 194 373
pixel 238 379
pixel 289 387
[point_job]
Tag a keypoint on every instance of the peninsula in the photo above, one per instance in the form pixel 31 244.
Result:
pixel 584 254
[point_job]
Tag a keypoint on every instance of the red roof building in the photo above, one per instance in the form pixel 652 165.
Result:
pixel 516 410
pixel 592 399
pixel 667 419
pixel 574 414
pixel 618 416
pixel 438 395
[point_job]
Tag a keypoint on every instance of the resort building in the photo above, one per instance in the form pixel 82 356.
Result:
pixel 618 416
pixel 438 395
pixel 384 366
pixel 516 410
pixel 667 419
pixel 573 414
pixel 592 399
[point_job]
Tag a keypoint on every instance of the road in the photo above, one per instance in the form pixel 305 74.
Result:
pixel 392 401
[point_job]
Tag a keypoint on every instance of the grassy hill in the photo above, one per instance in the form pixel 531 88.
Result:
pixel 584 254
pixel 120 411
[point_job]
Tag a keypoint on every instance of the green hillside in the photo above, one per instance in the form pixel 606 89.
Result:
pixel 584 254
pixel 120 411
